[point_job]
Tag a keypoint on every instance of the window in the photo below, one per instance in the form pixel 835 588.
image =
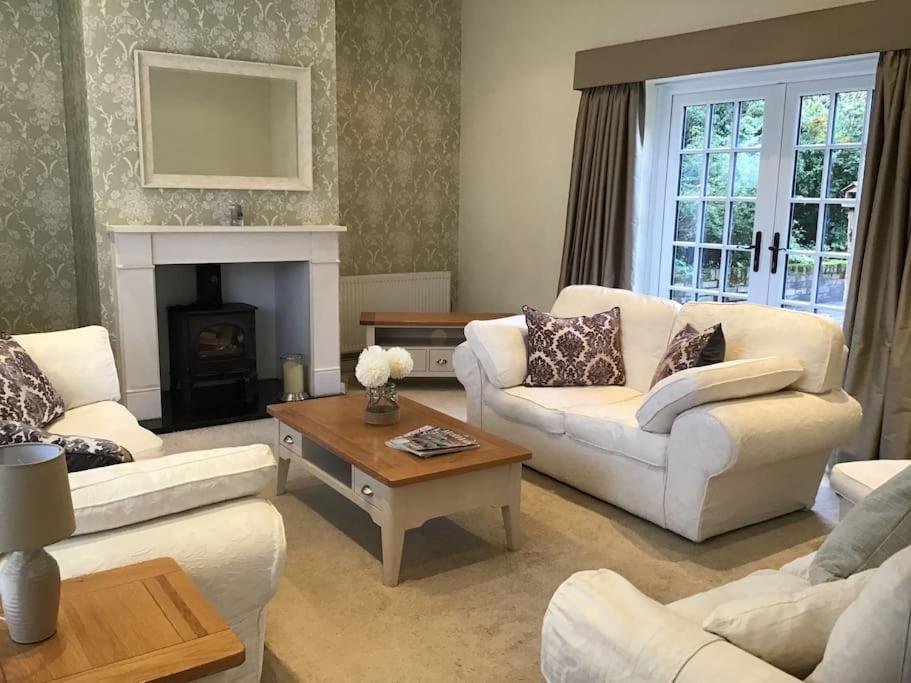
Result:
pixel 760 191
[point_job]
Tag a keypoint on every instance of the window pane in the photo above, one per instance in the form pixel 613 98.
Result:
pixel 804 226
pixel 710 269
pixel 681 297
pixel 706 297
pixel 713 222
pixel 798 282
pixel 835 237
pixel 743 215
pixel 746 174
pixel 843 171
pixel 750 130
pixel 832 276
pixel 719 168
pixel 738 275
pixel 814 120
pixel 722 125
pixel 686 221
pixel 691 175
pixel 850 116
pixel 684 266
pixel 694 127
pixel 808 173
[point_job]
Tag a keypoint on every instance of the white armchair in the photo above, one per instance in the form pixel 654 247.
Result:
pixel 720 465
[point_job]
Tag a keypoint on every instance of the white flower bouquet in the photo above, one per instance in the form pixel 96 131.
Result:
pixel 375 367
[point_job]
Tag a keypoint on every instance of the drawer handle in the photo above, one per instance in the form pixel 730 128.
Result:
pixel 366 490
pixel 288 439
pixel 442 361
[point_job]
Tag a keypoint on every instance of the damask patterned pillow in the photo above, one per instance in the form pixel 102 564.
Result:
pixel 691 349
pixel 583 351
pixel 26 394
pixel 82 452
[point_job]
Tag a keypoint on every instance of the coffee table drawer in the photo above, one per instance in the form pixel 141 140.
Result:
pixel 289 438
pixel 368 490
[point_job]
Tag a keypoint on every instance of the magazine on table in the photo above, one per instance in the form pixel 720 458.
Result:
pixel 428 441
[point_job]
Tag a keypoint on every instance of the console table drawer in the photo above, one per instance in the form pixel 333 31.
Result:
pixel 420 358
pixel 440 360
pixel 289 438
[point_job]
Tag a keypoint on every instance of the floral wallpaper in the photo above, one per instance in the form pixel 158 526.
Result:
pixel 398 115
pixel 300 32
pixel 37 278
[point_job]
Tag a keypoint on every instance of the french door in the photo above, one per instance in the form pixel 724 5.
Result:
pixel 761 193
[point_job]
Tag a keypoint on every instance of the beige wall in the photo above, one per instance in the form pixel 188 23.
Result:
pixel 518 116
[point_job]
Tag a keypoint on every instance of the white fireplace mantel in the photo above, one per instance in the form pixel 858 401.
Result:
pixel 307 294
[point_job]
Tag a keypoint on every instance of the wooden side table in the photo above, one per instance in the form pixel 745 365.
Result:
pixel 143 622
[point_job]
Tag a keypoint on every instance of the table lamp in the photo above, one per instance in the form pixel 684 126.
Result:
pixel 35 510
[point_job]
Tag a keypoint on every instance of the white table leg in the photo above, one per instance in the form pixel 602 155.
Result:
pixel 393 543
pixel 281 481
pixel 511 511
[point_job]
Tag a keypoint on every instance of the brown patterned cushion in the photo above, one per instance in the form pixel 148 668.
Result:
pixel 565 352
pixel 26 394
pixel 82 452
pixel 691 349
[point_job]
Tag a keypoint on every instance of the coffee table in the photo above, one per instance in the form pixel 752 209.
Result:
pixel 398 490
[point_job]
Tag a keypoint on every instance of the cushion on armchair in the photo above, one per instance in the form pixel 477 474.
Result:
pixel 26 394
pixel 113 497
pixel 500 348
pixel 719 382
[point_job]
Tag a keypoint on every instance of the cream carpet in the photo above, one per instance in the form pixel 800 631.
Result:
pixel 467 609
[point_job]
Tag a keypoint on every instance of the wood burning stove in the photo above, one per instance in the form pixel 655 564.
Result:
pixel 212 343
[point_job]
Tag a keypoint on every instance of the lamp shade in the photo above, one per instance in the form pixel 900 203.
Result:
pixel 36 508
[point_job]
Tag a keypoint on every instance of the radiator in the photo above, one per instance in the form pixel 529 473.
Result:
pixel 419 292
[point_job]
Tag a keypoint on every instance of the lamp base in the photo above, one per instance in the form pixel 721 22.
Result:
pixel 30 590
pixel 301 396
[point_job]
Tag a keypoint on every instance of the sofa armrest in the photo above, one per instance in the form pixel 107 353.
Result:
pixel 469 372
pixel 760 430
pixel 500 348
pixel 122 495
pixel 599 627
pixel 79 363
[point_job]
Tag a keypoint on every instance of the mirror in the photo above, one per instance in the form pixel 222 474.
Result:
pixel 221 123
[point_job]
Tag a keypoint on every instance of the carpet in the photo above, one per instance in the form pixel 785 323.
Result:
pixel 466 608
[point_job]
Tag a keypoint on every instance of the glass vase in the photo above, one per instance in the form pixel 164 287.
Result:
pixel 382 405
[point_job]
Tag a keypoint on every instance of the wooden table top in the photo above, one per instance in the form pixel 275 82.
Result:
pixel 143 622
pixel 336 423
pixel 393 319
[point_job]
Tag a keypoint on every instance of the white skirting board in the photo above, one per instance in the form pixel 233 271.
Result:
pixel 411 292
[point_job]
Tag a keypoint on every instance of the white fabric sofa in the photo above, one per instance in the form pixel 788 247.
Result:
pixel 205 509
pixel 722 465
pixel 80 365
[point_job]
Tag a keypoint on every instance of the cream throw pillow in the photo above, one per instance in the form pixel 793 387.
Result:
pixel 787 630
pixel 709 383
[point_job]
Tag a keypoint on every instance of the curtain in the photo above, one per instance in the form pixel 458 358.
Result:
pixel 598 245
pixel 878 315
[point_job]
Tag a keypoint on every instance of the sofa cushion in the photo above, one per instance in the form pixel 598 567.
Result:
pixel 720 382
pixel 647 322
pixel 755 331
pixel 614 428
pixel 871 641
pixel 581 351
pixel 79 363
pixel 500 348
pixel 545 407
pixel 690 348
pixel 26 394
pixel 82 452
pixel 112 421
pixel 855 480
pixel 114 497
pixel 875 529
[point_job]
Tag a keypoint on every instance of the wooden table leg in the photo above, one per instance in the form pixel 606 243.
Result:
pixel 393 542
pixel 511 511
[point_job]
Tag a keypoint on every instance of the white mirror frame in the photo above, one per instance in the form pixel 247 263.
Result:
pixel 145 59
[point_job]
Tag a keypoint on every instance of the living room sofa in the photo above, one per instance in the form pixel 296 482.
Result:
pixel 721 465
pixel 206 509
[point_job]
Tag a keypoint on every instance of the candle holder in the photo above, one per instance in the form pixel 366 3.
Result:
pixel 293 377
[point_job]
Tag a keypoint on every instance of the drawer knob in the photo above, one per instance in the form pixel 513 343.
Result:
pixel 288 439
pixel 366 490
pixel 442 361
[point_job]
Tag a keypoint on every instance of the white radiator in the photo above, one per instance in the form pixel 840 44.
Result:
pixel 411 292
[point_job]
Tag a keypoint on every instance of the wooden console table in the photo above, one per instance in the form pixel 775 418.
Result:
pixel 430 338
pixel 143 622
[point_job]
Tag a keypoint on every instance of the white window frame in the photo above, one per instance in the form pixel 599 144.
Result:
pixel 650 258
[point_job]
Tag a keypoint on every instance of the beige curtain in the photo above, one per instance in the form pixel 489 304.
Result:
pixel 598 246
pixel 878 316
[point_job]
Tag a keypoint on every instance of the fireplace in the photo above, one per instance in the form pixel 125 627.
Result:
pixel 212 344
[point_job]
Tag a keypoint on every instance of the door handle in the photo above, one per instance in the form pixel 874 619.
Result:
pixel 775 248
pixel 756 248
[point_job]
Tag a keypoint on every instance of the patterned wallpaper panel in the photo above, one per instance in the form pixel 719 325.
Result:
pixel 398 113
pixel 299 32
pixel 37 280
